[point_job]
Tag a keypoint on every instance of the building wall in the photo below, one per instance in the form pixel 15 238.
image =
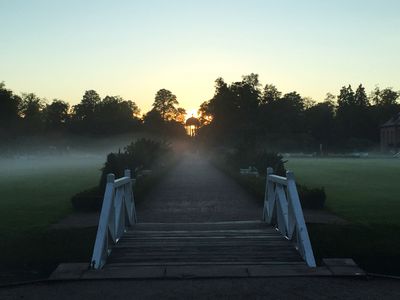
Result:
pixel 390 138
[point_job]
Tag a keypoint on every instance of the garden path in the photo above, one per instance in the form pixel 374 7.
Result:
pixel 195 191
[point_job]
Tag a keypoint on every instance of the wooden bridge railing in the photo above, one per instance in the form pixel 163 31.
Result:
pixel 117 213
pixel 282 209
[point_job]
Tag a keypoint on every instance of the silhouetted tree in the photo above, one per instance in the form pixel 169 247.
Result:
pixel 86 108
pixel 320 122
pixel 32 113
pixel 9 108
pixel 56 114
pixel 165 103
pixel 270 94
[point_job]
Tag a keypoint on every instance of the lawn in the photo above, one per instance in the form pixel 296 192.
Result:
pixel 36 192
pixel 361 190
pixel 366 193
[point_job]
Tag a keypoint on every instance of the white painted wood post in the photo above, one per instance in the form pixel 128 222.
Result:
pixel 270 171
pixel 127 173
pixel 99 256
pixel 130 205
pixel 302 229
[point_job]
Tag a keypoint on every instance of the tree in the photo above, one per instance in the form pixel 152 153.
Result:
pixel 384 97
pixel 252 81
pixel 180 115
pixel 9 107
pixel 352 116
pixel 320 121
pixel 205 116
pixel 32 112
pixel 56 114
pixel 86 108
pixel 165 103
pixel 31 106
pixel 346 97
pixel 360 97
pixel 270 94
pixel 330 98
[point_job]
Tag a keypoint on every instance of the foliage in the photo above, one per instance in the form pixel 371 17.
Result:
pixel 244 112
pixel 31 115
pixel 9 108
pixel 138 155
pixel 312 198
pixel 88 200
pixel 165 103
pixel 244 156
pixel 111 115
pixel 56 114
pixel 141 154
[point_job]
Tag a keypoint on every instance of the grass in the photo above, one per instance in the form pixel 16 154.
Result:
pixel 36 193
pixel 366 193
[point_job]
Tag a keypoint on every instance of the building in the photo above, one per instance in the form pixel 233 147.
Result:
pixel 192 125
pixel 390 134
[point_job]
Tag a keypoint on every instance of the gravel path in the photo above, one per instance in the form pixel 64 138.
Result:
pixel 195 191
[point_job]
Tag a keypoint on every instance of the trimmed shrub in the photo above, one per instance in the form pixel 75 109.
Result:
pixel 138 155
pixel 313 198
pixel 141 154
pixel 88 200
pixel 243 157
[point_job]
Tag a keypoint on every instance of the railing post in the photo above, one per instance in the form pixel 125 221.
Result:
pixel 101 243
pixel 270 171
pixel 131 208
pixel 300 223
pixel 110 178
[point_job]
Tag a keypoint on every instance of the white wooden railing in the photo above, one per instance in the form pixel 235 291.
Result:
pixel 117 213
pixel 282 209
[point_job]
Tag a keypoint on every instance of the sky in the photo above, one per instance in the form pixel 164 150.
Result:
pixel 61 48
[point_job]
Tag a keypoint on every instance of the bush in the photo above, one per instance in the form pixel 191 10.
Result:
pixel 141 154
pixel 245 156
pixel 313 198
pixel 264 159
pixel 88 200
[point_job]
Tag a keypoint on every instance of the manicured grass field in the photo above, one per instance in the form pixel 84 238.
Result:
pixel 37 192
pixel 34 193
pixel 365 191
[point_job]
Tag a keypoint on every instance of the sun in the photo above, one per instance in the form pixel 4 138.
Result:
pixel 191 113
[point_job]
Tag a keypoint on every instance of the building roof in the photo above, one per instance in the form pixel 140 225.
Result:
pixel 394 121
pixel 192 121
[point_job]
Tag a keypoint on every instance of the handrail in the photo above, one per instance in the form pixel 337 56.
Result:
pixel 117 213
pixel 282 208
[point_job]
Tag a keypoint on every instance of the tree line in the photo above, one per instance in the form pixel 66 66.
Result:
pixel 247 113
pixel 28 114
pixel 241 113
